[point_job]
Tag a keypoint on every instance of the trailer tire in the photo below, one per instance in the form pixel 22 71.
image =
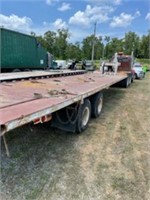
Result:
pixel 84 115
pixel 96 104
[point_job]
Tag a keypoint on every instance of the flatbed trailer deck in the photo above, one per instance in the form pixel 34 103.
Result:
pixel 25 101
pixel 37 74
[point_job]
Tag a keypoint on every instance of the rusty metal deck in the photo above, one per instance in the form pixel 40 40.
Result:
pixel 37 74
pixel 23 101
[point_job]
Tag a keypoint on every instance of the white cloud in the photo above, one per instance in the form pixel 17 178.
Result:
pixel 91 14
pixel 45 23
pixel 78 34
pixel 64 7
pixel 117 2
pixel 148 16
pixel 124 19
pixel 59 24
pixel 105 2
pixel 137 14
pixel 16 23
pixel 49 2
pixel 79 18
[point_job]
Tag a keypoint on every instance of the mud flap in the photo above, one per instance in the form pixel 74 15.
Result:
pixel 65 119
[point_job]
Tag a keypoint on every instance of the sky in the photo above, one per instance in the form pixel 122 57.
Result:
pixel 112 17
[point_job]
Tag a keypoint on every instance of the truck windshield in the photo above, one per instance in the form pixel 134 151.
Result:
pixel 137 65
pixel 123 59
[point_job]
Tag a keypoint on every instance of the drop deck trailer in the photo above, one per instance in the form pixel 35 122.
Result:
pixel 66 98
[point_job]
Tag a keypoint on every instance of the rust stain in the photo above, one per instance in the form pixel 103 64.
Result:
pixel 35 81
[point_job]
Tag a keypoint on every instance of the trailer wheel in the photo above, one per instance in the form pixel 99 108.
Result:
pixel 84 115
pixel 96 104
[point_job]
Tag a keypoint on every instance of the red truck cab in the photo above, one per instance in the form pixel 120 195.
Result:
pixel 126 64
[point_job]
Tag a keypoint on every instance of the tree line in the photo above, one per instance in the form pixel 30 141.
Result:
pixel 104 47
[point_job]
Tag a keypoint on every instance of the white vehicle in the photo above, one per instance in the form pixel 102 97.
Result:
pixel 69 62
pixel 61 64
pixel 139 73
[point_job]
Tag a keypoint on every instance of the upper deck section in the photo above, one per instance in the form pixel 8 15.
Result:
pixel 5 77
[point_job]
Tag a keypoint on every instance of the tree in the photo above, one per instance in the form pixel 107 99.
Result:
pixel 145 46
pixel 87 47
pixel 57 44
pixel 73 51
pixel 49 41
pixel 115 45
pixel 131 43
pixel 105 47
pixel 61 43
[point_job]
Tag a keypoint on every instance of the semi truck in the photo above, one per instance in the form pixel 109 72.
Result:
pixel 66 99
pixel 120 63
pixel 22 52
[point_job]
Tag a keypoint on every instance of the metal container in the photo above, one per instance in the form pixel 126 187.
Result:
pixel 21 51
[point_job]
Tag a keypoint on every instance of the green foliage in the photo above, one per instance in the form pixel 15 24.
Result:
pixel 115 45
pixel 87 47
pixel 73 51
pixel 145 46
pixel 57 44
pixel 132 43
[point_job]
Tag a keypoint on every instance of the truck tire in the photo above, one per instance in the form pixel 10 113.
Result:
pixel 126 82
pixel 84 115
pixel 16 70
pixel 96 104
pixel 130 80
pixel 27 70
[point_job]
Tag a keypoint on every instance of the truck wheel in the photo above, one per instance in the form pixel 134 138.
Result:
pixel 126 82
pixel 129 80
pixel 27 70
pixel 84 115
pixel 96 104
pixel 16 70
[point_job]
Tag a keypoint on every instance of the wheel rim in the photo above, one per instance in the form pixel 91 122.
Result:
pixel 100 104
pixel 85 116
pixel 127 82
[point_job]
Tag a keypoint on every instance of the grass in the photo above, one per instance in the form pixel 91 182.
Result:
pixel 109 161
pixel 144 61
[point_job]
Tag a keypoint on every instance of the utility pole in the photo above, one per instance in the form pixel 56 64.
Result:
pixel 93 45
